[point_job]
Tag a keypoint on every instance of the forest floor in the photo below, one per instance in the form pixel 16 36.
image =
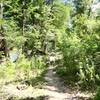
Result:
pixel 53 89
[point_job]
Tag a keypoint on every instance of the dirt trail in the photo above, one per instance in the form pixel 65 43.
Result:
pixel 54 89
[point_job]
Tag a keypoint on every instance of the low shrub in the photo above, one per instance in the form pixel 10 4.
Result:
pixel 78 58
pixel 97 96
pixel 23 68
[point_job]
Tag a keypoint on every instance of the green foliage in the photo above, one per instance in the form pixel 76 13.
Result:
pixel 97 96
pixel 78 57
pixel 38 63
pixel 35 26
pixel 7 71
pixel 20 70
pixel 1 54
pixel 80 45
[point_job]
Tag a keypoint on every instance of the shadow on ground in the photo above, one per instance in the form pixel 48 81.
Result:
pixel 32 98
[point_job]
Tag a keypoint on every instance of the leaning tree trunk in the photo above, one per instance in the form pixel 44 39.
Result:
pixel 23 24
pixel 23 17
pixel 3 46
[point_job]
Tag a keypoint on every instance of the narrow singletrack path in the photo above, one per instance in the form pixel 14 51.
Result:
pixel 53 89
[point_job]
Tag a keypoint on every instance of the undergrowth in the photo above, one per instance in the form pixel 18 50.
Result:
pixel 22 69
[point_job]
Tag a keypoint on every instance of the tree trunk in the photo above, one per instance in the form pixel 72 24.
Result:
pixel 23 23
pixel 23 18
pixel 3 45
pixel 1 14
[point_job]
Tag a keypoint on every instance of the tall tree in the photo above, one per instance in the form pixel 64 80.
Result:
pixel 3 46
